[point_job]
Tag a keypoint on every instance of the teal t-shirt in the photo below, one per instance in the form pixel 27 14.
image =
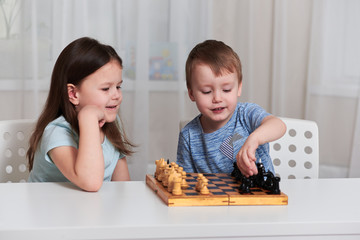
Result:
pixel 59 133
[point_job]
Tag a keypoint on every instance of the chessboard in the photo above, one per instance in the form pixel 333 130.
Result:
pixel 223 191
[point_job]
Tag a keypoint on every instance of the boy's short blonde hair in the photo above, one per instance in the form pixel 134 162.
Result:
pixel 217 55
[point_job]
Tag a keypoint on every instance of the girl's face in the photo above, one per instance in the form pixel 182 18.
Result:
pixel 102 89
pixel 215 96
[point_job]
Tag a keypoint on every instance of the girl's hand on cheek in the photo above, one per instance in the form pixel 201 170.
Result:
pixel 92 113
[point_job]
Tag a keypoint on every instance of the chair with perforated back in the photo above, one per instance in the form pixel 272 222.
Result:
pixel 296 154
pixel 14 143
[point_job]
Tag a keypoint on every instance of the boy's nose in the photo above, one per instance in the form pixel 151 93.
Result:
pixel 217 96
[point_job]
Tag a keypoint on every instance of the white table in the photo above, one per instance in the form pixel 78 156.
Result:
pixel 317 209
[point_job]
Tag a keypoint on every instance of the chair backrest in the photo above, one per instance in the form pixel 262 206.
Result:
pixel 14 142
pixel 296 154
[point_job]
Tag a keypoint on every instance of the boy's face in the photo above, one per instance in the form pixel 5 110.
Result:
pixel 215 97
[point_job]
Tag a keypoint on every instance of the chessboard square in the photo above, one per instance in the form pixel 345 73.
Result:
pixel 218 182
pixel 191 193
pixel 234 186
pixel 191 180
pixel 209 174
pixel 224 177
pixel 229 190
pixel 212 179
pixel 218 193
pixel 231 181
pixel 216 190
pixel 212 187
pixel 222 185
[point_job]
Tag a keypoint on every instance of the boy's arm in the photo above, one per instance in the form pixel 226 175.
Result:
pixel 270 129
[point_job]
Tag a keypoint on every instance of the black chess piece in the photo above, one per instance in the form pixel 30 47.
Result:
pixel 263 179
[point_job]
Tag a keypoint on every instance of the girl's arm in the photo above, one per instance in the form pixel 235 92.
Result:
pixel 271 128
pixel 121 172
pixel 84 166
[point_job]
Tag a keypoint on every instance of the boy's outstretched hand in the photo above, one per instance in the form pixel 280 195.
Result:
pixel 270 129
pixel 245 159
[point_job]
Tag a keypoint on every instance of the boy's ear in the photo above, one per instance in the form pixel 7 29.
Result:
pixel 239 90
pixel 73 94
pixel 191 96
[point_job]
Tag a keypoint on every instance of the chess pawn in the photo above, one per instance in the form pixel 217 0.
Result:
pixel 177 186
pixel 162 167
pixel 165 178
pixel 170 182
pixel 204 190
pixel 199 180
pixel 180 169
pixel 172 164
pixel 157 164
pixel 184 184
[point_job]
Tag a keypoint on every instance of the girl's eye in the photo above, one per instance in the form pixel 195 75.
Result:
pixel 118 87
pixel 105 89
pixel 206 92
pixel 227 90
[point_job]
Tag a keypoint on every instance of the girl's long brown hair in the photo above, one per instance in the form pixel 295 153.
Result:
pixel 78 60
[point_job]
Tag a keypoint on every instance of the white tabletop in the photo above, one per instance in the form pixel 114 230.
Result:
pixel 130 210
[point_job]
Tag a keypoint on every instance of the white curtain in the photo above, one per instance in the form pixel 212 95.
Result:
pixel 152 37
pixel 300 59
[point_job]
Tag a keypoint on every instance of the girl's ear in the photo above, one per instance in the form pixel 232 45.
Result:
pixel 73 94
pixel 191 95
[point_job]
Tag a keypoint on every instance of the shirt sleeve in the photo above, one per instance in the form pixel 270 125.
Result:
pixel 254 115
pixel 57 136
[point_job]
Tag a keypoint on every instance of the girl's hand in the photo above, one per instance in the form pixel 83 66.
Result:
pixel 245 159
pixel 92 112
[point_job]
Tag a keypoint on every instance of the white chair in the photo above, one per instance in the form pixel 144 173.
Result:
pixel 14 143
pixel 296 154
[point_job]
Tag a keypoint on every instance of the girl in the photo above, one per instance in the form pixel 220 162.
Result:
pixel 78 137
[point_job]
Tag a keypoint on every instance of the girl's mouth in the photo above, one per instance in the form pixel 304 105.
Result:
pixel 111 107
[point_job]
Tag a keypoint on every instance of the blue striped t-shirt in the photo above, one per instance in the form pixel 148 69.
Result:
pixel 216 152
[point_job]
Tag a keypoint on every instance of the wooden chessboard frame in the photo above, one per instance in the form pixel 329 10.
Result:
pixel 214 200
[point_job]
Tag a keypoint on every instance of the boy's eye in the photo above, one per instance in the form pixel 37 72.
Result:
pixel 227 90
pixel 105 89
pixel 206 92
pixel 118 87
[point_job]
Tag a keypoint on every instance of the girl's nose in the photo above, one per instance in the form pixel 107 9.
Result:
pixel 116 93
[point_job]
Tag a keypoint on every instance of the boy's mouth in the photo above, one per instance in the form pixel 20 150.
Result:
pixel 217 109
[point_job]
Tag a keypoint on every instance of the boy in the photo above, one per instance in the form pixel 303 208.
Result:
pixel 225 131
